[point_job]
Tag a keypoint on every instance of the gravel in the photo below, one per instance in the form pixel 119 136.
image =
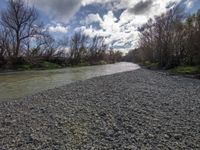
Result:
pixel 139 110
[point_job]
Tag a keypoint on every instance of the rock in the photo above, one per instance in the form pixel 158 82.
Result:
pixel 167 136
pixel 133 110
pixel 130 147
pixel 177 136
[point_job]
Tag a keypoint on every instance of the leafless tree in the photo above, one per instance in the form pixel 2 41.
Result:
pixel 97 48
pixel 20 21
pixel 162 39
pixel 78 47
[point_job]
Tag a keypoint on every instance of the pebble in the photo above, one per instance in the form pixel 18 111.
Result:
pixel 135 110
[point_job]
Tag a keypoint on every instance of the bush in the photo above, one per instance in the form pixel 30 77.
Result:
pixel 102 62
pixel 186 70
pixel 151 65
pixel 48 65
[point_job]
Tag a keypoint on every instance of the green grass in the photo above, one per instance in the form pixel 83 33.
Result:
pixel 186 70
pixel 24 67
pixel 45 65
pixel 102 62
pixel 150 65
pixel 82 64
pixel 49 65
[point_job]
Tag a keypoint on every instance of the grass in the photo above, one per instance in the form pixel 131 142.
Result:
pixel 102 62
pixel 45 65
pixel 180 70
pixel 49 65
pixel 186 70
pixel 150 65
pixel 82 64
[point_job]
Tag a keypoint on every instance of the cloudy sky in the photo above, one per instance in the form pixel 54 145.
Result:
pixel 117 20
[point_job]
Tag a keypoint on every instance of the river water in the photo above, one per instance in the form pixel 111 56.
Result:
pixel 15 85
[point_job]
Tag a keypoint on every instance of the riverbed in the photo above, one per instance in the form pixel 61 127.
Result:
pixel 14 85
pixel 136 110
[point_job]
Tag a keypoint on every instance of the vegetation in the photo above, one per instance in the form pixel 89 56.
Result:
pixel 41 65
pixel 186 70
pixel 169 41
pixel 25 44
pixel 150 65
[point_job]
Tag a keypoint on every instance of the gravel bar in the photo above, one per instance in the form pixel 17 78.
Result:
pixel 138 110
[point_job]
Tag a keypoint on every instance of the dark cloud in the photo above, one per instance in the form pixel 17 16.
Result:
pixel 141 7
pixel 60 10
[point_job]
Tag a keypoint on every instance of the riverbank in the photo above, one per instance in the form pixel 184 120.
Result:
pixel 45 65
pixel 141 109
pixel 184 71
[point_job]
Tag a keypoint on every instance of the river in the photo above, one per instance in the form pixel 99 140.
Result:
pixel 14 85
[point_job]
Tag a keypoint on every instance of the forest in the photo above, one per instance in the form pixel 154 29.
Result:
pixel 26 44
pixel 171 40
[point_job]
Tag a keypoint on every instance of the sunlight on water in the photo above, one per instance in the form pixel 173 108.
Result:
pixel 19 84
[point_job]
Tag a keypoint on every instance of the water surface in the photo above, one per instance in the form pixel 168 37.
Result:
pixel 19 84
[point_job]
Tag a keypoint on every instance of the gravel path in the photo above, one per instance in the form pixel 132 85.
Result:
pixel 142 110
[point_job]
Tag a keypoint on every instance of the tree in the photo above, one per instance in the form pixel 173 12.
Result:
pixel 19 22
pixel 3 43
pixel 78 48
pixel 161 40
pixel 97 48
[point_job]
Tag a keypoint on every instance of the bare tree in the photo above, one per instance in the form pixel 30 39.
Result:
pixel 161 40
pixel 20 20
pixel 3 43
pixel 97 48
pixel 78 48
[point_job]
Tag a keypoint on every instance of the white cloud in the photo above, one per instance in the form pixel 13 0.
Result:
pixel 116 34
pixel 63 10
pixel 122 32
pixel 92 18
pixel 58 29
pixel 90 31
pixel 88 2
pixel 109 23
pixel 190 3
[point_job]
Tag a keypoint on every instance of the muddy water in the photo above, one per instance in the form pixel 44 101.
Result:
pixel 19 84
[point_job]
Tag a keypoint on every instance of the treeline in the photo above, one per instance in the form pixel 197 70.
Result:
pixel 169 40
pixel 24 42
pixel 84 49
